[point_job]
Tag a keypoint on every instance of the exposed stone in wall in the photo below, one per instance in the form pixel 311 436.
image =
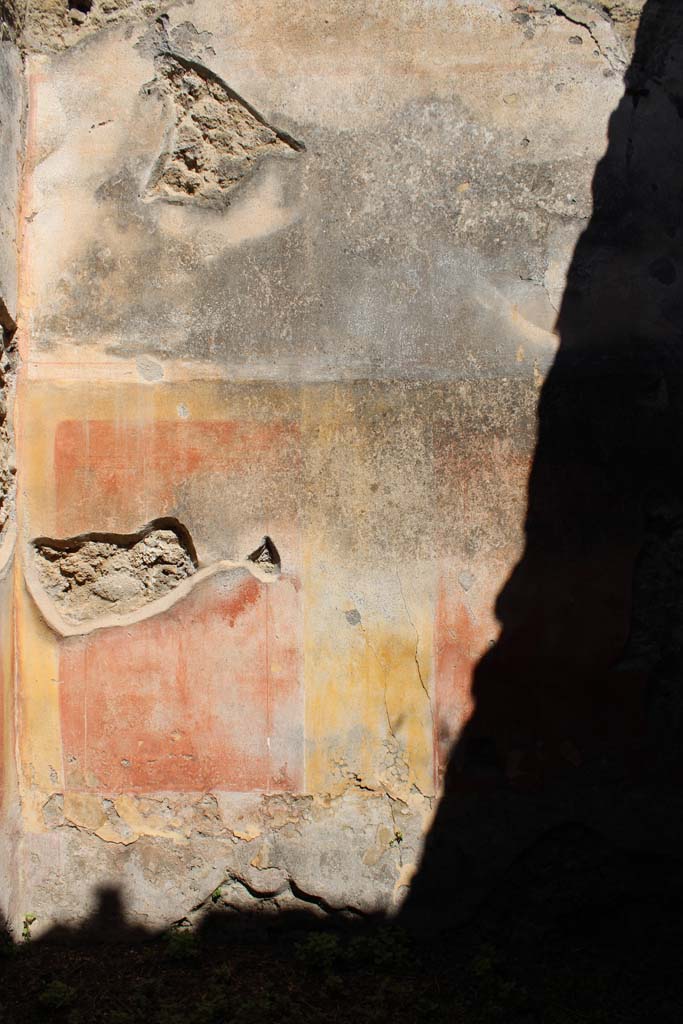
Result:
pixel 55 24
pixel 217 140
pixel 266 556
pixel 8 360
pixel 11 19
pixel 8 363
pixel 99 574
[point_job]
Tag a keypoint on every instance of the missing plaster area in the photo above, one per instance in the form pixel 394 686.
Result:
pixel 217 138
pixel 98 574
pixel 266 556
pixel 79 10
pixel 11 19
pixel 8 365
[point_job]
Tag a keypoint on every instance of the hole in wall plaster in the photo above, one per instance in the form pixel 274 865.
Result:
pixel 217 138
pixel 79 10
pixel 8 362
pixel 96 574
pixel 266 556
pixel 7 324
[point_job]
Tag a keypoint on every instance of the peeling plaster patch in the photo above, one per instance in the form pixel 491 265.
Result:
pixel 185 38
pixel 247 835
pixel 96 573
pixel 53 810
pixel 150 817
pixel 217 138
pixel 99 816
pixel 149 369
pixel 266 854
pixel 84 810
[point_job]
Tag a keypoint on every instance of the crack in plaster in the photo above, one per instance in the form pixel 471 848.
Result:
pixel 285 895
pixel 385 683
pixel 417 648
pixel 571 12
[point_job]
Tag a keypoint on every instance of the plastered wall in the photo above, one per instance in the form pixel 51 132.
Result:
pixel 286 272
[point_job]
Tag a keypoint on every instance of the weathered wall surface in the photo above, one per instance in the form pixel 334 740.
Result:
pixel 12 111
pixel 291 274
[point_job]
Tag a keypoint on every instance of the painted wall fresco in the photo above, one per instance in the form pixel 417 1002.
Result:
pixel 296 277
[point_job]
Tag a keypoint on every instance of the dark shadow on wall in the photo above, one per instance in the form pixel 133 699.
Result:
pixel 233 967
pixel 563 804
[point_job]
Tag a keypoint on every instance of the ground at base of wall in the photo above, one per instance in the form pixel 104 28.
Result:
pixel 559 962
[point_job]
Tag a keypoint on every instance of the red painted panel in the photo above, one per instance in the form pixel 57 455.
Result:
pixel 205 696
pixel 129 472
pixel 481 494
pixel 535 687
pixel 458 643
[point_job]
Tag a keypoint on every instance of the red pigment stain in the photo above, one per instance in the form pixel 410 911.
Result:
pixel 205 696
pixel 459 641
pixel 548 692
pixel 128 469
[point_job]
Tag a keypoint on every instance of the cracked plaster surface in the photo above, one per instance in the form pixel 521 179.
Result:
pixel 351 854
pixel 90 577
